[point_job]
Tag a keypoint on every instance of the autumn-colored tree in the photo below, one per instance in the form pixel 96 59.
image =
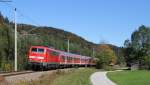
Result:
pixel 106 55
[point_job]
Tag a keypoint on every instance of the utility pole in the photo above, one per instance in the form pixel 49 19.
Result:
pixel 68 45
pixel 15 21
pixel 68 52
pixel 93 52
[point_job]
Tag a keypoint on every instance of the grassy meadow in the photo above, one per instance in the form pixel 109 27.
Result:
pixel 79 77
pixel 130 77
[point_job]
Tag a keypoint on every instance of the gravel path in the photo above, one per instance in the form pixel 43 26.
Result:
pixel 100 78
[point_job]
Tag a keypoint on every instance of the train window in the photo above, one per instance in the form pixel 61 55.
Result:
pixel 63 57
pixel 75 59
pixel 69 58
pixel 40 50
pixel 55 53
pixel 34 50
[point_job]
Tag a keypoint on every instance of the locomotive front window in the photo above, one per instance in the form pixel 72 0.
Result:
pixel 39 50
pixel 34 50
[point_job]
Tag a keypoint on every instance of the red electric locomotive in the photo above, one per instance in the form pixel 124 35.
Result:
pixel 42 57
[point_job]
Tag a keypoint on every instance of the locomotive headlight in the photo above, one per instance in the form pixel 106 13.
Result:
pixel 31 56
pixel 39 57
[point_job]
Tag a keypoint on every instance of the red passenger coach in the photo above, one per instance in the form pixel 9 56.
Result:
pixel 42 57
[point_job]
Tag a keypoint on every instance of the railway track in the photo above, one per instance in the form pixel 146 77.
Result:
pixel 26 72
pixel 15 73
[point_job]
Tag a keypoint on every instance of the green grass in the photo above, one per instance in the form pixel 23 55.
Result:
pixel 78 77
pixel 130 77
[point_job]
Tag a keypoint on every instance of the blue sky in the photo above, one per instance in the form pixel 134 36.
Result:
pixel 95 20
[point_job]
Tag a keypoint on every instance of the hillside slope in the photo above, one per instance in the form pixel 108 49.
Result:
pixel 56 38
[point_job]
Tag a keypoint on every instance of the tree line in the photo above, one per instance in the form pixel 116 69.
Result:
pixel 137 49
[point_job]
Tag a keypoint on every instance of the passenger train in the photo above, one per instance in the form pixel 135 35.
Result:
pixel 42 57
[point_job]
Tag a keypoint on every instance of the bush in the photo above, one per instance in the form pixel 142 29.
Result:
pixel 7 66
pixel 100 65
pixel 108 68
pixel 147 62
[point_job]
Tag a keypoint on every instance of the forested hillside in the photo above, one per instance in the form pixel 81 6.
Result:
pixel 55 38
pixel 29 35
